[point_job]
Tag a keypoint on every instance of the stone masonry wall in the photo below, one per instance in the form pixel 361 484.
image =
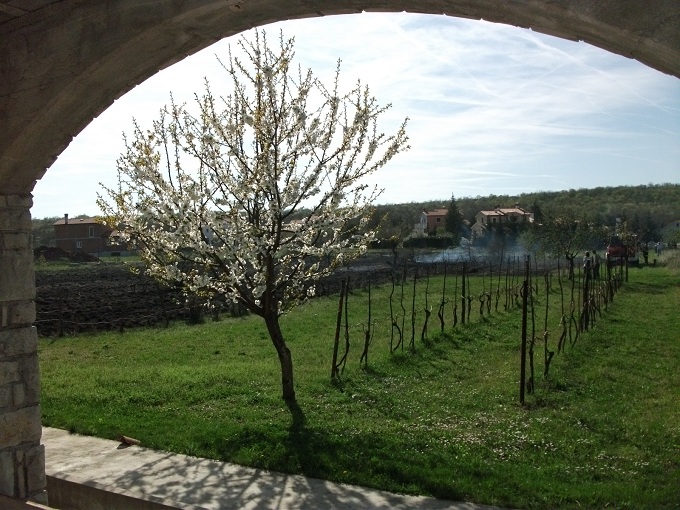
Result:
pixel 22 457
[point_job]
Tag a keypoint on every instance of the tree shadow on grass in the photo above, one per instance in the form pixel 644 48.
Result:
pixel 297 427
pixel 653 288
pixel 317 452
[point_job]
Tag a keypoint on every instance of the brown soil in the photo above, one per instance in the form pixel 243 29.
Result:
pixel 108 296
pixel 96 297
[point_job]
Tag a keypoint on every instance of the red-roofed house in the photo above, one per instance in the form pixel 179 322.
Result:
pixel 86 235
pixel 498 216
pixel 430 221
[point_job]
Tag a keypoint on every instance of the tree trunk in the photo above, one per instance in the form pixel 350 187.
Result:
pixel 285 358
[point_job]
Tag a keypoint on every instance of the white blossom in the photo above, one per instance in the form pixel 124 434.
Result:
pixel 209 204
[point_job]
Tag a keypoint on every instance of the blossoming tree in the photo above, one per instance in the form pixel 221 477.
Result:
pixel 260 192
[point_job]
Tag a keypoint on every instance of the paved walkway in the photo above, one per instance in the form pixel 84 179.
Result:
pixel 192 483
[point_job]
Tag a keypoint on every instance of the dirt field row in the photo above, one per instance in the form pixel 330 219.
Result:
pixel 106 296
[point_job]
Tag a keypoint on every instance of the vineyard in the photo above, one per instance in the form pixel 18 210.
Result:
pixel 556 306
pixel 399 305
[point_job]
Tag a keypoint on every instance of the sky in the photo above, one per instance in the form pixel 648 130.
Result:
pixel 492 109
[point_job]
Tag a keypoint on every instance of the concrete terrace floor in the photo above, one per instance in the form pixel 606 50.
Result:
pixel 168 480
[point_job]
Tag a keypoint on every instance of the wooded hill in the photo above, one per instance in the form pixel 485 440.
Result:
pixel 646 208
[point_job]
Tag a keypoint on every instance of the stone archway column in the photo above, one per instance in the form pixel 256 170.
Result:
pixel 22 457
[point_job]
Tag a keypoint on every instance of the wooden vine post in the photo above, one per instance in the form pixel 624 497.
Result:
pixel 498 285
pixel 403 311
pixel 334 365
pixel 392 319
pixel 367 332
pixel 462 296
pixel 585 304
pixel 547 354
pixel 440 313
pixel 412 344
pixel 532 342
pixel 523 357
pixel 455 302
pixel 427 310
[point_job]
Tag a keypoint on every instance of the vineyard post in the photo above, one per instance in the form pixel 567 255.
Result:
pixel 507 286
pixel 482 295
pixel 523 357
pixel 392 315
pixel 547 354
pixel 498 286
pixel 346 322
pixel 585 313
pixel 488 301
pixel 367 332
pixel 403 310
pixel 455 302
pixel 462 299
pixel 343 360
pixel 440 313
pixel 412 345
pixel 610 285
pixel 428 311
pixel 336 343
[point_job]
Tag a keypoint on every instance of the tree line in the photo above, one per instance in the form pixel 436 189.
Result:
pixel 646 209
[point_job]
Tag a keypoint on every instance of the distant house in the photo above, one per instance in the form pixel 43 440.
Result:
pixel 498 216
pixel 430 221
pixel 86 235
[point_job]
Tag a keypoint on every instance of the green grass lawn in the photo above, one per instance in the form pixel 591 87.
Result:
pixel 603 430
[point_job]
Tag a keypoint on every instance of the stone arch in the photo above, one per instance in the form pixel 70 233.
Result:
pixel 62 62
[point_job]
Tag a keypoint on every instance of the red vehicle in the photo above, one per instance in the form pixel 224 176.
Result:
pixel 618 252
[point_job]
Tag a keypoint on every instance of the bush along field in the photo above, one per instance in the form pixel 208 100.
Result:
pixel 414 386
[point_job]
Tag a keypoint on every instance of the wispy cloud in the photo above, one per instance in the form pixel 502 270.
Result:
pixel 492 108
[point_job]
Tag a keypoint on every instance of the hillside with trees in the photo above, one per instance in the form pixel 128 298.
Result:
pixel 646 209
